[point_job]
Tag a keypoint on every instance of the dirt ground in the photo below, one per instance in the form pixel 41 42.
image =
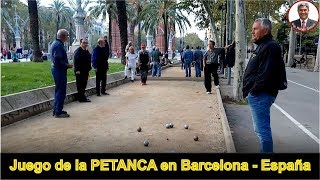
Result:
pixel 109 123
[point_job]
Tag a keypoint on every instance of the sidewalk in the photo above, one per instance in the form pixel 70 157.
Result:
pixel 109 123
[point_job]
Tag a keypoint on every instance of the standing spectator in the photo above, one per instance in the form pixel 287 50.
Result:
pixel 198 57
pixel 144 63
pixel 4 54
pixel 264 76
pixel 188 58
pixel 82 66
pixel 156 65
pixel 211 64
pixel 231 54
pixel 60 65
pixel 100 66
pixel 128 46
pixel 131 61
pixel 182 59
pixel 107 49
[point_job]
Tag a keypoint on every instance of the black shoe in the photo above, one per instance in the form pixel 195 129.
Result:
pixel 104 93
pixel 62 116
pixel 125 77
pixel 98 95
pixel 62 112
pixel 85 100
pixel 132 80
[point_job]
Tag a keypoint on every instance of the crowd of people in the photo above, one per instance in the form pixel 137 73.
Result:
pixel 264 75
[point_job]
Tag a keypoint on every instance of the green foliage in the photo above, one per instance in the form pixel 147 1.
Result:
pixel 193 40
pixel 17 77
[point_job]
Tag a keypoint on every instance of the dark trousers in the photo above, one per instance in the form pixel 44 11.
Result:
pixel 81 81
pixel 144 75
pixel 101 79
pixel 60 80
pixel 187 66
pixel 210 69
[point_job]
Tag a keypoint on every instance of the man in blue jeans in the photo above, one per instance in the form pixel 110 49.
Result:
pixel 262 79
pixel 188 58
pixel 198 56
pixel 60 65
pixel 156 67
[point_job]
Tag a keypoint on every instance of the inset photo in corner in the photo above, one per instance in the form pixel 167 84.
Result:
pixel 303 16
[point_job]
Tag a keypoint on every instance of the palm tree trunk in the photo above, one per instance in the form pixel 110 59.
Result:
pixel 165 35
pixel 58 23
pixel 122 23
pixel 34 30
pixel 110 32
pixel 240 40
pixel 139 24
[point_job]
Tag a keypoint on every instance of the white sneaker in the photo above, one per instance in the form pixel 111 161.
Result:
pixel 209 93
pixel 217 87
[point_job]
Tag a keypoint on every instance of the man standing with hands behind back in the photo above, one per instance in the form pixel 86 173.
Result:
pixel 100 66
pixel 82 66
pixel 60 65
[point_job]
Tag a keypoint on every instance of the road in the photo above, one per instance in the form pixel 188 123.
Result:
pixel 294 117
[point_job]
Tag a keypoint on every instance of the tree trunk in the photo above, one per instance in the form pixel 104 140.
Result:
pixel 58 23
pixel 122 23
pixel 110 32
pixel 292 47
pixel 212 23
pixel 34 30
pixel 316 66
pixel 139 23
pixel 165 34
pixel 240 39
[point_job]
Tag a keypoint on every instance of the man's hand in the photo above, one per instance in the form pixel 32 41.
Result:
pixel 78 72
pixel 70 66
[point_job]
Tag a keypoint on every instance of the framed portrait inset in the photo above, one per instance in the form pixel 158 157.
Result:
pixel 303 16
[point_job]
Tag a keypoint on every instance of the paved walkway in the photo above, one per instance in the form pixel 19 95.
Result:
pixel 109 123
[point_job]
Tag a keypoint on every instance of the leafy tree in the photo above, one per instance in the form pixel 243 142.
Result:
pixel 193 40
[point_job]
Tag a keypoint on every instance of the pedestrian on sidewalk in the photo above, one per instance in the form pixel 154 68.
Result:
pixel 156 67
pixel 264 76
pixel 182 60
pixel 211 64
pixel 60 65
pixel 144 63
pixel 131 61
pixel 198 57
pixel 100 65
pixel 82 67
pixel 188 58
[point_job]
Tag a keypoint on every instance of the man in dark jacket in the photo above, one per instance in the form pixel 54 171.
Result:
pixel 144 63
pixel 60 65
pixel 100 66
pixel 304 23
pixel 156 65
pixel 82 66
pixel 262 79
pixel 198 57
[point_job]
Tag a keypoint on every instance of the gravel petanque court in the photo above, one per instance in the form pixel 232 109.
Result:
pixel 109 123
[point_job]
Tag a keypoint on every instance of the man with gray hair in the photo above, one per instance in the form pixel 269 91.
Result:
pixel 100 65
pixel 264 76
pixel 60 65
pixel 304 23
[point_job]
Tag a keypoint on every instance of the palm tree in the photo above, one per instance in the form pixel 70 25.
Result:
pixel 122 22
pixel 158 12
pixel 34 30
pixel 102 8
pixel 59 9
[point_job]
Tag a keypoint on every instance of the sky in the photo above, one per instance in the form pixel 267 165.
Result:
pixel 192 29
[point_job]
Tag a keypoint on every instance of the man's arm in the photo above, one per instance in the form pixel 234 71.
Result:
pixel 94 59
pixel 76 62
